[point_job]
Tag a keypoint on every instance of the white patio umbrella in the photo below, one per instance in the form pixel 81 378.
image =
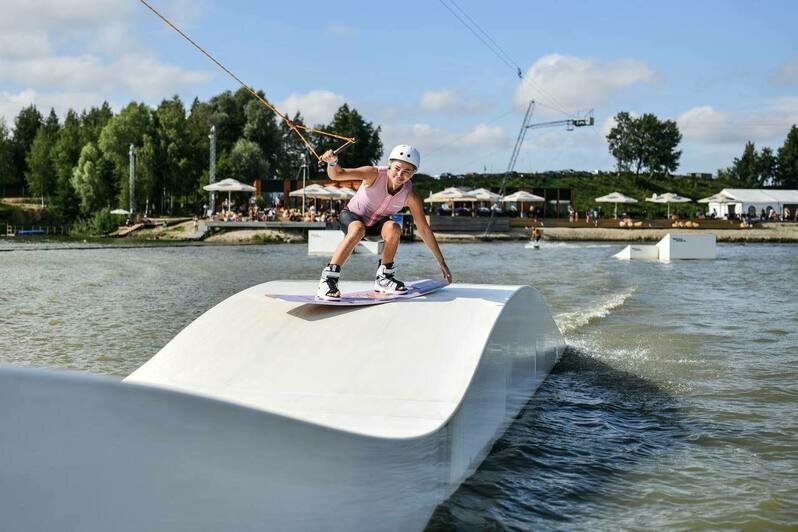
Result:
pixel 616 198
pixel 120 211
pixel 483 194
pixel 348 191
pixel 313 191
pixel 229 185
pixel 522 196
pixel 718 198
pixel 449 194
pixel 668 198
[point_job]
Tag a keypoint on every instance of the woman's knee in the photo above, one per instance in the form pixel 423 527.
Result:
pixel 391 230
pixel 356 230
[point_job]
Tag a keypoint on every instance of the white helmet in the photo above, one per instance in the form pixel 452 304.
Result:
pixel 406 153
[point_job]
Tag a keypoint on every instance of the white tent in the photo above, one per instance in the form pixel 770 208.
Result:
pixel 229 185
pixel 450 194
pixel 668 198
pixel 616 198
pixel 744 200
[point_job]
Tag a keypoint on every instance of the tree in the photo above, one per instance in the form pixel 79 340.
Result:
pixel 787 160
pixel 247 161
pixel 26 124
pixel 91 179
pixel 41 176
pixel 621 139
pixel 170 133
pixel 93 121
pixel 292 149
pixel 347 122
pixel 261 128
pixel 198 126
pixel 6 158
pixel 65 155
pixel 645 143
pixel 124 129
pixel 752 169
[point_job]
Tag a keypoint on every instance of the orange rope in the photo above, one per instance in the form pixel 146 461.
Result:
pixel 292 125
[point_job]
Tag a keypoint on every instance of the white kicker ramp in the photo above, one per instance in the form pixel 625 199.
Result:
pixel 268 415
pixel 672 247
pixel 324 242
pixel 638 252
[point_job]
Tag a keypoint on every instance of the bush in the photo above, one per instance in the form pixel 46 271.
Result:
pixel 101 223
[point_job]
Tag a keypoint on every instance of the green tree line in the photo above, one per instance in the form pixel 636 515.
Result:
pixel 81 165
pixel 646 144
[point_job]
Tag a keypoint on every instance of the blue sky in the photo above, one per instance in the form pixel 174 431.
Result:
pixel 726 71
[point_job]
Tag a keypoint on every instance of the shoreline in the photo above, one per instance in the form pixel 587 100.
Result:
pixel 776 233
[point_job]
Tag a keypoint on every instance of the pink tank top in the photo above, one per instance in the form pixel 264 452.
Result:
pixel 374 202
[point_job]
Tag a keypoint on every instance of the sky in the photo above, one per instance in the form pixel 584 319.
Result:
pixel 726 71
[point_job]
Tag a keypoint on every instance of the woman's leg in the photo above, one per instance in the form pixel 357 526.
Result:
pixel 391 234
pixel 354 234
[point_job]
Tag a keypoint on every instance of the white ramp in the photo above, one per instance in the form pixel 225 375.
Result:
pixel 263 414
pixel 683 246
pixel 638 252
pixel 324 243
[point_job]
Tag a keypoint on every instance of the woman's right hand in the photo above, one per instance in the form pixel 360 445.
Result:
pixel 329 157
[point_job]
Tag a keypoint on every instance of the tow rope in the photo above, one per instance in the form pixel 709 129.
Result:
pixel 291 124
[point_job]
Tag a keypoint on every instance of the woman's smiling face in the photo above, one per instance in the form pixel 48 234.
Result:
pixel 400 172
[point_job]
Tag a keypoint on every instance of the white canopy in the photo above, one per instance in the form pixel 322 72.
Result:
pixel 668 198
pixel 229 185
pixel 315 191
pixel 717 198
pixel 483 194
pixel 450 194
pixel 348 191
pixel 744 200
pixel 616 198
pixel 522 196
pixel 120 211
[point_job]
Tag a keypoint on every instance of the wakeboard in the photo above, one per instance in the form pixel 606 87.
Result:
pixel 368 297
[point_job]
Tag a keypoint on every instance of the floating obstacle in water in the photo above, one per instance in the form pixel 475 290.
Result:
pixel 672 247
pixel 324 243
pixel 264 414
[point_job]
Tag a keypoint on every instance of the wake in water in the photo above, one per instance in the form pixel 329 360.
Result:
pixel 569 322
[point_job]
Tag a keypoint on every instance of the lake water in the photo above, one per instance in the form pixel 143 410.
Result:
pixel 676 405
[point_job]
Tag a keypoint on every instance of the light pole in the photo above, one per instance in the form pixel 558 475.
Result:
pixel 132 195
pixel 304 178
pixel 212 170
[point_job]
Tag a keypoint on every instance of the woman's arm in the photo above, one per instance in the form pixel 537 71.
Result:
pixel 367 174
pixel 426 234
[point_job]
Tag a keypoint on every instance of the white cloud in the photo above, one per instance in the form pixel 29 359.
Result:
pixel 64 50
pixel 447 101
pixel 572 83
pixel 317 107
pixel 709 125
pixel 788 73
pixel 429 139
pixel 12 102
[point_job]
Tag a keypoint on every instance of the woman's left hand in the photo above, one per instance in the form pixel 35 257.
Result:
pixel 446 273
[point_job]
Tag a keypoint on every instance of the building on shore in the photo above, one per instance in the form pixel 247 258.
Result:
pixel 754 201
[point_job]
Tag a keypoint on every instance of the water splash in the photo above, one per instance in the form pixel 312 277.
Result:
pixel 569 322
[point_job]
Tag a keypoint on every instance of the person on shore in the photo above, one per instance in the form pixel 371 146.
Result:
pixel 385 190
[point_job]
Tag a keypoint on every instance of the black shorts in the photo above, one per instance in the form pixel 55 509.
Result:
pixel 347 217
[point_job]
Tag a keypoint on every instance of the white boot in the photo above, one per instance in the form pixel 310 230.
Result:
pixel 328 284
pixel 385 282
